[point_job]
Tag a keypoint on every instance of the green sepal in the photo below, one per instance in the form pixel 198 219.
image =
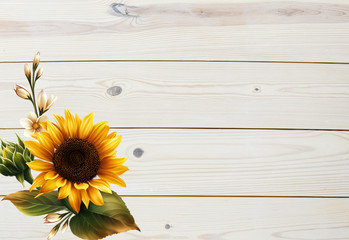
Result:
pixel 8 153
pixel 19 161
pixel 10 166
pixel 3 144
pixel 26 202
pixel 97 222
pixel 1 159
pixel 18 148
pixel 28 176
pixel 20 177
pixel 28 157
pixel 20 141
pixel 4 171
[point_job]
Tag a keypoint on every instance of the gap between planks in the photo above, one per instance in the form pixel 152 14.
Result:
pixel 215 128
pixel 188 60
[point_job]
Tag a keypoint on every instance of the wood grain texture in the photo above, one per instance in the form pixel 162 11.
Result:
pixel 229 163
pixel 190 94
pixel 209 219
pixel 235 30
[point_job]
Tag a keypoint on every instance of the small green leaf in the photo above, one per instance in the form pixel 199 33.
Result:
pixel 4 171
pixel 20 141
pixel 20 178
pixel 10 166
pixel 26 202
pixel 97 222
pixel 19 161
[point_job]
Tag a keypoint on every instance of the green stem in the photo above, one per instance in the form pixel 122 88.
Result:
pixel 32 87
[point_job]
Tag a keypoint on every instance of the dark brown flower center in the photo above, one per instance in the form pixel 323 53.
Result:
pixel 77 160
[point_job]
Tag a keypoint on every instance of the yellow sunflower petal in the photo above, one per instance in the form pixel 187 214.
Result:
pixel 112 178
pixel 37 150
pixel 62 126
pixel 71 124
pixel 85 198
pixel 55 133
pixel 75 199
pixel 101 185
pixel 38 181
pixel 65 190
pixel 98 133
pixel 48 186
pixel 111 135
pixel 61 181
pixel 43 124
pixel 95 196
pixel 117 170
pixel 108 146
pixel 41 166
pixel 46 141
pixel 111 162
pixel 81 186
pixel 51 175
pixel 86 126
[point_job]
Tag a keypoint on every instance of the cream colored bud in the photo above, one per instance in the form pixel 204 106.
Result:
pixel 36 60
pixel 21 91
pixel 65 226
pixel 44 103
pixel 52 218
pixel 27 70
pixel 52 233
pixel 40 71
pixel 42 99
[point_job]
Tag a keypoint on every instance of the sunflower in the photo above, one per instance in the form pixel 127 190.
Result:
pixel 73 153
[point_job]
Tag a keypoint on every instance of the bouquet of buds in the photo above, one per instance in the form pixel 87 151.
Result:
pixel 77 163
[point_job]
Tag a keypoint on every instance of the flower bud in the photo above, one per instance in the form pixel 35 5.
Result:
pixel 52 218
pixel 52 233
pixel 44 103
pixel 21 92
pixel 65 226
pixel 36 60
pixel 27 70
pixel 38 75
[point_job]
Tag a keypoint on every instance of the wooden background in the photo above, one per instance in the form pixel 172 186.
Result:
pixel 234 114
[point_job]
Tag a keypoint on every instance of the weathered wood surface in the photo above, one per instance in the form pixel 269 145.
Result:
pixel 190 94
pixel 229 162
pixel 209 218
pixel 235 30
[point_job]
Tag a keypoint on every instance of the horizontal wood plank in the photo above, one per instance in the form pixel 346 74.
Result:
pixel 229 163
pixel 209 218
pixel 191 94
pixel 238 30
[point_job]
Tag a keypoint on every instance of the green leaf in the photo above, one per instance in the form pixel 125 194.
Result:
pixel 97 222
pixel 4 171
pixel 3 144
pixel 19 148
pixel 10 166
pixel 26 202
pixel 19 161
pixel 20 141
pixel 20 178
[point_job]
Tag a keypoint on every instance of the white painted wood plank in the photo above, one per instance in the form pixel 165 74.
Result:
pixel 209 218
pixel 259 30
pixel 229 162
pixel 190 94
